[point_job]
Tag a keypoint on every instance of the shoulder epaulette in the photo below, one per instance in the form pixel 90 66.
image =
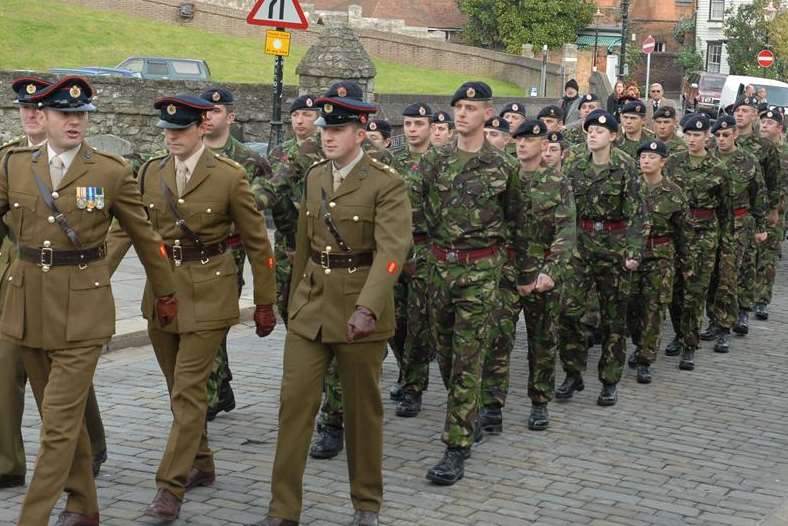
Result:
pixel 162 157
pixel 228 161
pixel 12 142
pixel 382 166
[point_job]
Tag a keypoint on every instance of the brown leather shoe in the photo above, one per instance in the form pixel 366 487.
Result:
pixel 200 478
pixel 275 521
pixel 365 518
pixel 69 518
pixel 165 506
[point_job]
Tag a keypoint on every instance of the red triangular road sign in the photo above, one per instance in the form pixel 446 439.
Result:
pixel 278 13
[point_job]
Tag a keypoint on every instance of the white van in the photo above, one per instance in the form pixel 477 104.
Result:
pixel 733 89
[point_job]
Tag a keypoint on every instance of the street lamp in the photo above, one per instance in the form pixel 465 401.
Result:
pixel 597 17
pixel 624 35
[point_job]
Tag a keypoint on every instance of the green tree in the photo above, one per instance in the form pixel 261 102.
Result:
pixel 688 58
pixel 508 24
pixel 747 32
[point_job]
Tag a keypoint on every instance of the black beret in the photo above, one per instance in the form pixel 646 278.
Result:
pixel 530 128
pixel 590 97
pixel 724 122
pixel 748 101
pixel 634 106
pixel 181 111
pixel 773 114
pixel 653 147
pixel 304 102
pixel 67 94
pixel 218 95
pixel 344 103
pixel 513 107
pixel 571 83
pixel 600 117
pixel 380 125
pixel 696 122
pixel 497 123
pixel 26 87
pixel 551 111
pixel 417 110
pixel 442 117
pixel 556 137
pixel 665 112
pixel 475 90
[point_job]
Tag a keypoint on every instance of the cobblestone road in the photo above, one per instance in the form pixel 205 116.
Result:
pixel 704 447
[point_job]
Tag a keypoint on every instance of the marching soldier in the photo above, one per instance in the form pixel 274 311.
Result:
pixel 553 153
pixel 219 140
pixel 772 129
pixel 195 199
pixel 550 232
pixel 552 117
pixel 352 239
pixel 471 198
pixel 60 199
pixel 379 133
pixel 702 178
pixel 442 129
pixel 497 133
pixel 666 242
pixel 514 114
pixel 610 236
pixel 633 115
pixel 665 129
pixel 574 132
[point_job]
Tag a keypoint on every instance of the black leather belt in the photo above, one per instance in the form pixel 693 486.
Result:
pixel 179 253
pixel 48 257
pixel 334 260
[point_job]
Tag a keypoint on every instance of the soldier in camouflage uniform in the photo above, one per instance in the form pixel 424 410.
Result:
pixel 442 129
pixel 514 115
pixel 610 237
pixel 771 129
pixel 417 350
pixel 734 274
pixel 746 115
pixel 497 133
pixel 471 197
pixel 552 117
pixel 219 139
pixel 550 233
pixel 633 121
pixel 379 133
pixel 553 153
pixel 699 173
pixel 652 285
pixel 574 133
pixel 665 129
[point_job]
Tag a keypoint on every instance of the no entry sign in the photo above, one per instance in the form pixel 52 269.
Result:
pixel 765 58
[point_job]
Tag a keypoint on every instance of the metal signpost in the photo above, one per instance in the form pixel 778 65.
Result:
pixel 648 48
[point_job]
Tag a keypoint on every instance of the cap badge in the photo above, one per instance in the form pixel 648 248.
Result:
pixel 653 146
pixel 75 92
pixel 422 111
pixel 30 89
pixel 554 137
pixel 589 97
pixel 723 124
pixel 328 108
pixel 496 123
pixel 536 130
pixel 171 109
pixel 216 96
pixel 699 125
pixel 470 93
pixel 602 119
pixel 342 91
pixel 515 107
pixel 309 102
pixel 373 126
pixel 441 117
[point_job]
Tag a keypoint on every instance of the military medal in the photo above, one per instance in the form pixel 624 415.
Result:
pixel 100 198
pixel 91 198
pixel 81 198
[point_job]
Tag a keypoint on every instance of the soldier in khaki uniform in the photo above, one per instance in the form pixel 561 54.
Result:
pixel 58 306
pixel 12 384
pixel 194 197
pixel 354 231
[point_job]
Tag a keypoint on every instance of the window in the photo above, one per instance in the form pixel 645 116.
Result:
pixel 717 10
pixel 186 68
pixel 714 57
pixel 659 47
pixel 133 65
pixel 158 68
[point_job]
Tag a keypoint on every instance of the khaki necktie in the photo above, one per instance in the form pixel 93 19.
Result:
pixel 181 175
pixel 338 178
pixel 57 170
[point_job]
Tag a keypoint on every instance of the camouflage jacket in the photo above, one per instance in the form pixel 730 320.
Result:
pixel 474 204
pixel 409 161
pixel 668 213
pixel 675 144
pixel 769 157
pixel 283 190
pixel 574 134
pixel 706 186
pixel 550 231
pixel 253 164
pixel 614 194
pixel 631 147
pixel 747 186
pixel 384 156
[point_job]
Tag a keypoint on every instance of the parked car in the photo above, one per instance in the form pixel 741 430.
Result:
pixel 733 90
pixel 95 71
pixel 163 68
pixel 701 92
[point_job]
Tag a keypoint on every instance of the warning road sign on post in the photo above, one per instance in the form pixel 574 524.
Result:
pixel 278 13
pixel 765 58
pixel 648 45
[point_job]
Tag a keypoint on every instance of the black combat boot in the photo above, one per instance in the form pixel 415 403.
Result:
pixel 634 358
pixel 410 404
pixel 687 362
pixel 760 311
pixel 539 419
pixel 711 333
pixel 572 383
pixel 644 373
pixel 673 348
pixel 395 393
pixel 226 402
pixel 328 443
pixel 451 468
pixel 491 420
pixel 608 396
pixel 723 342
pixel 742 327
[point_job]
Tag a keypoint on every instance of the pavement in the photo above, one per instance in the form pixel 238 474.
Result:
pixel 706 447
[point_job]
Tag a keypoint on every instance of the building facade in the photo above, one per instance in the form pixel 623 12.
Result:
pixel 710 39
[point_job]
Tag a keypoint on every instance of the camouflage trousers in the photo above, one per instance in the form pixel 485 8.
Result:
pixel 419 349
pixel 461 305
pixel 597 262
pixel 282 273
pixel 766 255
pixel 221 373
pixel 331 412
pixel 495 368
pixel 652 289
pixel 731 283
pixel 689 295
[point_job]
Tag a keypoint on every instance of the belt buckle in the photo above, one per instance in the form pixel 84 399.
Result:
pixel 325 259
pixel 46 259
pixel 599 226
pixel 452 256
pixel 177 255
